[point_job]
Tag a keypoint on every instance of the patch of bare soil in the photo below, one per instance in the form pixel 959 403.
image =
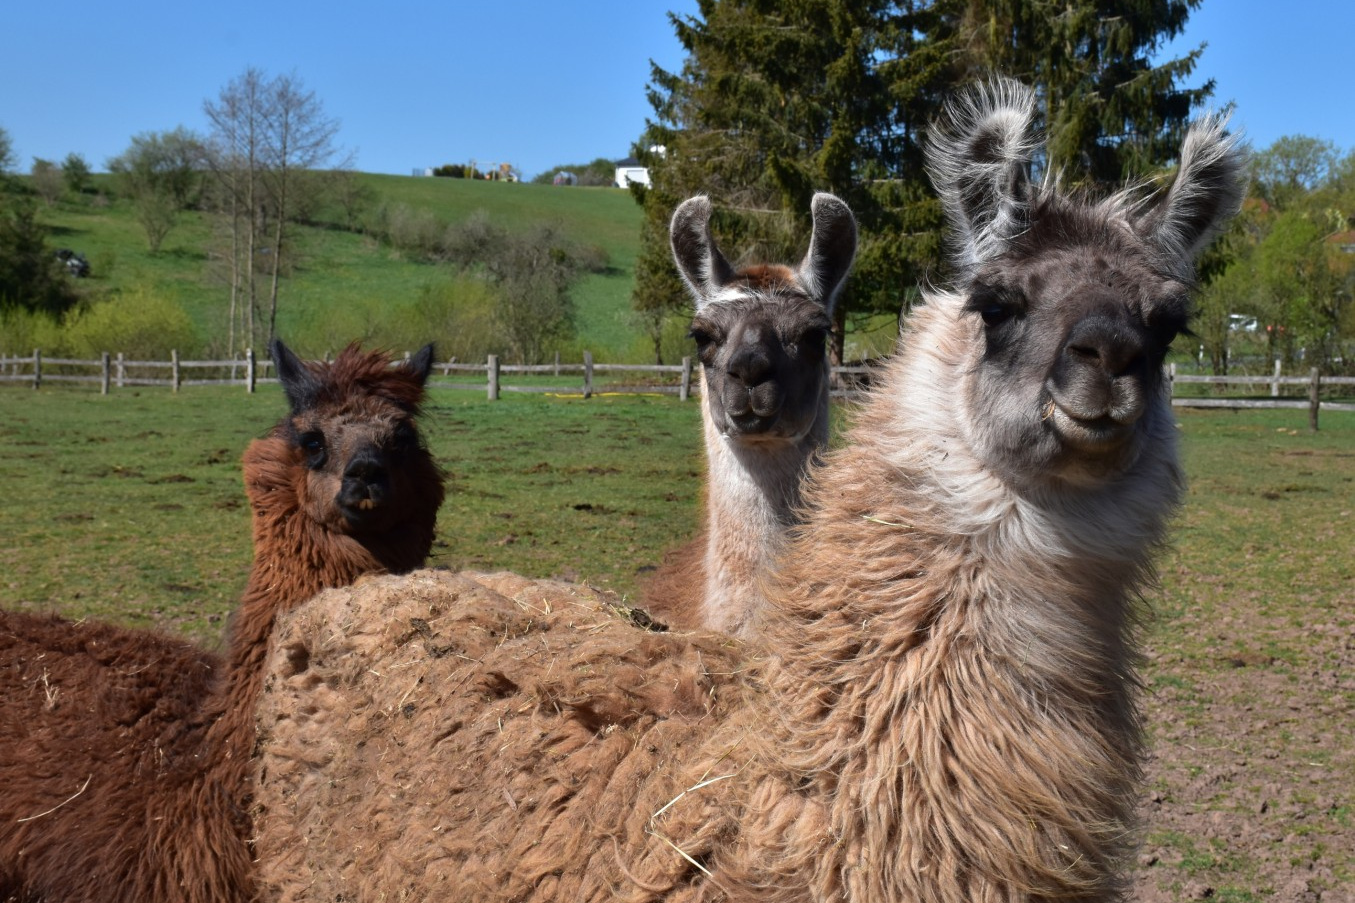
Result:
pixel 1251 781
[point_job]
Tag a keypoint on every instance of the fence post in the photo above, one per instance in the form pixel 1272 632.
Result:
pixel 1313 402
pixel 174 368
pixel 37 368
pixel 250 376
pixel 1171 380
pixel 1275 381
pixel 492 373
pixel 685 391
pixel 588 374
pixel 122 370
pixel 557 363
pixel 104 373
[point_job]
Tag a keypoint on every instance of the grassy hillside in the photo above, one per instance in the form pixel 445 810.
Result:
pixel 346 284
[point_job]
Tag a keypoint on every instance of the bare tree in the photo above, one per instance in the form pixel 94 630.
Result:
pixel 268 134
pixel 299 138
pixel 235 155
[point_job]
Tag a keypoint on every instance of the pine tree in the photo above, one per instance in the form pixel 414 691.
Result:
pixel 780 98
pixel 1110 113
pixel 31 277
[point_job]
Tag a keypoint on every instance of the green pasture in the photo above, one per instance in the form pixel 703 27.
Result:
pixel 129 507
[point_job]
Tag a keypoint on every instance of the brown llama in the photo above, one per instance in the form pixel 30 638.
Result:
pixel 940 704
pixel 760 331
pixel 124 754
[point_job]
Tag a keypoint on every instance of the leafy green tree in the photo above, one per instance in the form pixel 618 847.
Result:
pixel 1285 260
pixel 169 164
pixel 76 172
pixel 161 173
pixel 31 277
pixel 1293 167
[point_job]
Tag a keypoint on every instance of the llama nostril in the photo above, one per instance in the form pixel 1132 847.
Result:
pixel 1108 346
pixel 364 469
pixel 749 369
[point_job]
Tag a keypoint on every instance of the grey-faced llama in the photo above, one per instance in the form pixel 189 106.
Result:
pixel 940 702
pixel 760 331
pixel 125 754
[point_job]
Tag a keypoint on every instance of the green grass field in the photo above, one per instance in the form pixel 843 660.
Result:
pixel 129 507
pixel 346 284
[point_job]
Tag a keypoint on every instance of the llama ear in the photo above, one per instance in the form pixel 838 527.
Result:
pixel 298 382
pixel 421 364
pixel 1207 191
pixel 703 267
pixel 980 165
pixel 832 248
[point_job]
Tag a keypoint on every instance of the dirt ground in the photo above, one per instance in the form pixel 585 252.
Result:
pixel 1250 794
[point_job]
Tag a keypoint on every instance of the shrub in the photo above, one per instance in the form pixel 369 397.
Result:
pixel 22 330
pixel 141 323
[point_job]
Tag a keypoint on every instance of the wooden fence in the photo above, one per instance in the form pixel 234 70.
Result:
pixel 117 371
pixel 113 371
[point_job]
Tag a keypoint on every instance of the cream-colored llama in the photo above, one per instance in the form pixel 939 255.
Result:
pixel 760 331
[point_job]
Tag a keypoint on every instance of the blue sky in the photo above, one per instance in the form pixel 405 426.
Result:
pixel 532 83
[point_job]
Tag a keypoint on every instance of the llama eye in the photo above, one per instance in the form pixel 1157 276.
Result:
pixel 995 313
pixel 994 306
pixel 700 336
pixel 405 437
pixel 312 443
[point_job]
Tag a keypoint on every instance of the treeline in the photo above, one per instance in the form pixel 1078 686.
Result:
pixel 1282 280
pixel 777 100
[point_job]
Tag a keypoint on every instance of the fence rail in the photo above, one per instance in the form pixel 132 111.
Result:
pixel 114 371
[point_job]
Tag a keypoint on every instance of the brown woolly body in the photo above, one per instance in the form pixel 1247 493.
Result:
pixel 883 742
pixel 940 703
pixel 125 754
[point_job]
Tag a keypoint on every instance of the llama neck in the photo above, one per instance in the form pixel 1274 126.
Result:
pixel 294 559
pixel 959 659
pixel 752 497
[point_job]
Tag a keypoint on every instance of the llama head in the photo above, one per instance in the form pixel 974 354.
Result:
pixel 761 330
pixel 361 466
pixel 1068 306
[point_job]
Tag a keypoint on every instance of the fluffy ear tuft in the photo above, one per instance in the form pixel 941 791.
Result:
pixel 1208 191
pixel 298 381
pixel 832 247
pixel 980 162
pixel 703 267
